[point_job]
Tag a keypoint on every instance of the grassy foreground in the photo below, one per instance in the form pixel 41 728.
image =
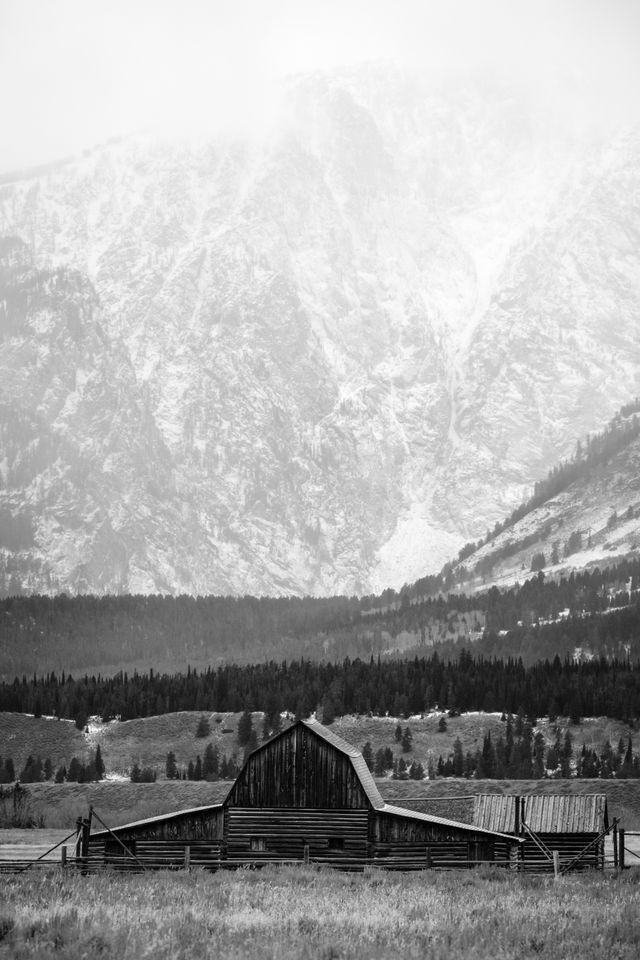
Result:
pixel 302 912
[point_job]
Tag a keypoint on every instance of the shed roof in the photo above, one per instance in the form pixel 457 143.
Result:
pixel 160 818
pixel 544 813
pixel 441 821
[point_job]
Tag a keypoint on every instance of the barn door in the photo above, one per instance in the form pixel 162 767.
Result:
pixel 480 851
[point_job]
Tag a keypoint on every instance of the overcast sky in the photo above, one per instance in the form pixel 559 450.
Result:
pixel 76 72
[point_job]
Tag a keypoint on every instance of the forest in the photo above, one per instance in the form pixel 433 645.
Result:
pixel 551 688
pixel 593 611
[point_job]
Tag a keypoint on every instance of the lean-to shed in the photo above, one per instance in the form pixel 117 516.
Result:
pixel 307 794
pixel 573 825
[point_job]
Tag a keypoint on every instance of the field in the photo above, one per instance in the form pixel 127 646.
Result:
pixel 121 802
pixel 305 913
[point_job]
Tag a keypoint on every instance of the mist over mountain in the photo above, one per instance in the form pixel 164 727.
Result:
pixel 318 361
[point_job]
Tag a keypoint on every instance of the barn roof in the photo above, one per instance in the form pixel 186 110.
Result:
pixel 544 813
pixel 371 790
pixel 441 821
pixel 160 818
pixel 357 760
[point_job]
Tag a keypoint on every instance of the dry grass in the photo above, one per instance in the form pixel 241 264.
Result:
pixel 147 741
pixel 60 740
pixel 305 913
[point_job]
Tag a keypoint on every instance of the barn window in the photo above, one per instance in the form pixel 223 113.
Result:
pixel 336 843
pixel 257 843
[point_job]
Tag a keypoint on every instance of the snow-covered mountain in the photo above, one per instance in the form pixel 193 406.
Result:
pixel 327 357
pixel 585 514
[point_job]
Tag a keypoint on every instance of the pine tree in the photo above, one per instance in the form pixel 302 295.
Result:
pixel 538 756
pixel 398 733
pixel 245 726
pixel 211 762
pixel 98 764
pixel 458 758
pixel 204 728
pixel 407 740
pixel 170 767
pixel 379 766
pixel 367 755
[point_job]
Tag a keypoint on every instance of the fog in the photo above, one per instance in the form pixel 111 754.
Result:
pixel 76 72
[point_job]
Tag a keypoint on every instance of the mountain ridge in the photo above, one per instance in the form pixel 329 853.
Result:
pixel 358 340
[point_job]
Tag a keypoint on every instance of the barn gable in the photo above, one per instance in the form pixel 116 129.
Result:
pixel 305 766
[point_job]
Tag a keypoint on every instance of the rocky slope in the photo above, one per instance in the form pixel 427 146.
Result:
pixel 350 346
pixel 593 522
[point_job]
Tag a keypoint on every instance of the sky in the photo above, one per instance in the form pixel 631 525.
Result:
pixel 74 73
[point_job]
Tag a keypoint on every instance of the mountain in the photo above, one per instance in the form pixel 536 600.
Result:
pixel 329 356
pixel 585 514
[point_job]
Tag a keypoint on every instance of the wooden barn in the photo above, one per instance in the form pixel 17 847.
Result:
pixel 574 826
pixel 306 794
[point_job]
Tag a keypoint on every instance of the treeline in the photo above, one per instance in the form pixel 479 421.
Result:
pixel 398 687
pixel 522 754
pixel 105 634
pixel 35 770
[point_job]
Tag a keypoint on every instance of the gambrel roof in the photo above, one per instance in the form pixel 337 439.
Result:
pixel 373 794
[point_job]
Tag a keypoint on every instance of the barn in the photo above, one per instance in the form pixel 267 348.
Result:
pixel 306 794
pixel 574 826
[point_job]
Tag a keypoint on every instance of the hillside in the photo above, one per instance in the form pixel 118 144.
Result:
pixel 148 741
pixel 586 515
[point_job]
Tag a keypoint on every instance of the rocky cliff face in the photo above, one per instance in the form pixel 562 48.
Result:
pixel 327 358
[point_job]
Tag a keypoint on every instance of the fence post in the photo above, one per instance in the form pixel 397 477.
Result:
pixel 306 853
pixel 615 844
pixel 187 857
pixel 63 856
pixel 621 847
pixel 78 852
pixel 556 864
pixel 427 859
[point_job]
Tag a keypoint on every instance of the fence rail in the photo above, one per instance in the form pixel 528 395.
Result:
pixel 211 856
pixel 98 863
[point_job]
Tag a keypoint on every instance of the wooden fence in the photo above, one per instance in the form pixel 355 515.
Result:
pixel 76 851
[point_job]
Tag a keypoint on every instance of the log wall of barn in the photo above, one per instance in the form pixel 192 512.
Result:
pixel 568 845
pixel 337 837
pixel 162 843
pixel 404 844
pixel 298 769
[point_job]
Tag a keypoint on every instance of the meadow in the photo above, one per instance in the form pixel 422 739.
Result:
pixel 302 912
